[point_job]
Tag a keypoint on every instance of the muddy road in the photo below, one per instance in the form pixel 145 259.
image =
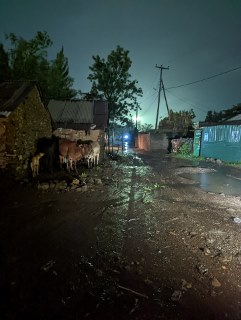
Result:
pixel 145 242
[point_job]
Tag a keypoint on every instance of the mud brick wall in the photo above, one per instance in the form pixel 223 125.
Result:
pixel 23 127
pixel 152 141
pixel 143 141
pixel 159 141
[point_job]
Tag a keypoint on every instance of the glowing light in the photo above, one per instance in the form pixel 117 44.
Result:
pixel 136 118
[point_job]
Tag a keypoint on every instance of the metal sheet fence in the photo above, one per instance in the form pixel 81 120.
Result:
pixel 222 142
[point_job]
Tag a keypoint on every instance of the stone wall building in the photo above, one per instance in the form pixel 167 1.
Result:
pixel 23 120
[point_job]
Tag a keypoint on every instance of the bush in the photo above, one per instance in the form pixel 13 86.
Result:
pixel 185 149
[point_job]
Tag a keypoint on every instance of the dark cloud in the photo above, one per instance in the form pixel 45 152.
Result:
pixel 196 38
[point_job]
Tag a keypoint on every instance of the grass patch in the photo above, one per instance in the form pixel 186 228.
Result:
pixel 189 156
pixel 148 193
pixel 192 157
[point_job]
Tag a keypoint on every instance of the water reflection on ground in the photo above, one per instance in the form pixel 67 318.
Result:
pixel 209 177
pixel 216 181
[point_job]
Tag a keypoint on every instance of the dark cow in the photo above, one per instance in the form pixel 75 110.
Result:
pixel 50 148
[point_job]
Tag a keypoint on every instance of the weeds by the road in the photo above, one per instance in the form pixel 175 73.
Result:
pixel 149 192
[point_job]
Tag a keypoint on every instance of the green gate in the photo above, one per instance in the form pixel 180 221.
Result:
pixel 197 142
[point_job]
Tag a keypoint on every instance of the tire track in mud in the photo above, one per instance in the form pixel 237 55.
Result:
pixel 137 265
pixel 153 248
pixel 204 216
pixel 161 244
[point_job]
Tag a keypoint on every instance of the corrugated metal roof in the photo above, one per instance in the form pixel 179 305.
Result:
pixel 5 113
pixel 71 111
pixel 235 118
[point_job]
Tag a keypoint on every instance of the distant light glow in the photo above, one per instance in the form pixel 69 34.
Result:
pixel 138 118
pixel 126 136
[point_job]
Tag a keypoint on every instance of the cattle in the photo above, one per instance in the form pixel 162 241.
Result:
pixel 49 146
pixel 93 157
pixel 64 145
pixel 62 161
pixel 34 164
pixel 57 152
pixel 75 154
pixel 91 153
pixel 71 152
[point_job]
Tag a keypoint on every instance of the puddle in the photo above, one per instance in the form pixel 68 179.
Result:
pixel 214 181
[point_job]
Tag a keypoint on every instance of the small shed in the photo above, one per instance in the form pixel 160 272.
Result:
pixel 222 141
pixel 79 114
pixel 23 120
pixel 80 119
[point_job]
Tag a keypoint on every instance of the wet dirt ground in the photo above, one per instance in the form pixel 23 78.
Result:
pixel 147 243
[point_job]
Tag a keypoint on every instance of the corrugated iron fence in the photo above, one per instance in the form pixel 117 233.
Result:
pixel 222 142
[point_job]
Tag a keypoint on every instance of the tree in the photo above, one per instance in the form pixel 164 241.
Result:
pixel 93 94
pixel 59 82
pixel 224 115
pixel 27 60
pixel 144 127
pixel 213 116
pixel 209 116
pixel 177 119
pixel 111 79
pixel 5 72
pixel 26 57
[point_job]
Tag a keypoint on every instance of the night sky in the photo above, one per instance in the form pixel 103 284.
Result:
pixel 196 38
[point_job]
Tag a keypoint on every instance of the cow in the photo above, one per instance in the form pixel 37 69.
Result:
pixel 75 154
pixel 71 152
pixel 91 153
pixel 94 154
pixel 63 150
pixel 62 161
pixel 34 164
pixel 49 146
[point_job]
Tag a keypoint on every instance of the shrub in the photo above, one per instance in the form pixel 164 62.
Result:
pixel 185 149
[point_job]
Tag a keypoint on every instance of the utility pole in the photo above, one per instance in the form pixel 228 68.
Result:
pixel 136 115
pixel 161 86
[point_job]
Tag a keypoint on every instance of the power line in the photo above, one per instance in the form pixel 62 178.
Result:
pixel 150 105
pixel 149 95
pixel 190 102
pixel 204 79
